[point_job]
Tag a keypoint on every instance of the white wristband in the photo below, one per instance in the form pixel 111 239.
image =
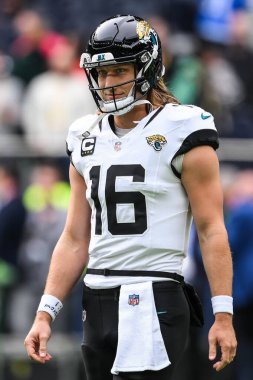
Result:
pixel 222 304
pixel 51 305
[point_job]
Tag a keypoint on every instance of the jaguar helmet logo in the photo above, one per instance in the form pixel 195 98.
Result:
pixel 145 32
pixel 156 141
pixel 143 29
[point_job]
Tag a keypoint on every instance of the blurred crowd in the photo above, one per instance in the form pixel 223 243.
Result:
pixel 208 56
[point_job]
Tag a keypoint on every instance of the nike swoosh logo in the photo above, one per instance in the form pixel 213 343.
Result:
pixel 205 116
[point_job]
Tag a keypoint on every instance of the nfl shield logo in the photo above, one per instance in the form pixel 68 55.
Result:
pixel 117 146
pixel 133 299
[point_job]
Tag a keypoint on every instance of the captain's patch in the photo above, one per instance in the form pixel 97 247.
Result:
pixel 156 141
pixel 88 146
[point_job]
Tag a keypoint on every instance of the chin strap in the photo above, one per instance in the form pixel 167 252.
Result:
pixel 131 106
pixel 97 119
pixel 100 117
pixel 143 101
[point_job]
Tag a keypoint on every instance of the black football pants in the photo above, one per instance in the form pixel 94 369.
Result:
pixel 101 330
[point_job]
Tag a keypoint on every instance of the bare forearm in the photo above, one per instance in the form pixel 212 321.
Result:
pixel 68 262
pixel 217 261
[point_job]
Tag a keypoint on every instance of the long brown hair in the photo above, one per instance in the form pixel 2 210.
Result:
pixel 160 95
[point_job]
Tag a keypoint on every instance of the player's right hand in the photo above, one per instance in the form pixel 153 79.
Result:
pixel 37 339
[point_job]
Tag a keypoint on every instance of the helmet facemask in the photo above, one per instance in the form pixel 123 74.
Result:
pixel 137 92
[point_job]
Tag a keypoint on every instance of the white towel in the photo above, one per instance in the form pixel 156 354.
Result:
pixel 140 342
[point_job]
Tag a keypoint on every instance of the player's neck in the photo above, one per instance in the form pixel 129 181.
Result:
pixel 129 119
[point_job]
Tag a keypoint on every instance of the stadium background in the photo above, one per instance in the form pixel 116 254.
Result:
pixel 208 54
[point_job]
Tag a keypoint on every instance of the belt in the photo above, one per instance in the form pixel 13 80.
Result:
pixel 139 273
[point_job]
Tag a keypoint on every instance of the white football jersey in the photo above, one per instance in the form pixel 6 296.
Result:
pixel 140 211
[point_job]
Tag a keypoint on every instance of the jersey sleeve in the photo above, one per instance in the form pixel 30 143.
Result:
pixel 74 139
pixel 197 130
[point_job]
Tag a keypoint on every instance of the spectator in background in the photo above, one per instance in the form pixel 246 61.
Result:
pixel 46 200
pixel 240 232
pixel 11 91
pixel 12 213
pixel 240 54
pixel 8 11
pixel 225 27
pixel 12 219
pixel 25 49
pixel 183 69
pixel 214 19
pixel 29 49
pixel 54 99
pixel 222 88
pixel 180 14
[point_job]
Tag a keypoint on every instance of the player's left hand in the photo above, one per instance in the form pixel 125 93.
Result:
pixel 222 334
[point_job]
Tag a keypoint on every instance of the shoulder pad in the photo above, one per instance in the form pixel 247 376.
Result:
pixel 77 129
pixel 180 112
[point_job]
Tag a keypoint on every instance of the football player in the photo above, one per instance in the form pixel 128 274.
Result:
pixel 139 171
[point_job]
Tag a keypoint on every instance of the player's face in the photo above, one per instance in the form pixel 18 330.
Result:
pixel 109 76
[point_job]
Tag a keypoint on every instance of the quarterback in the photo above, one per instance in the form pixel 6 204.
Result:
pixel 140 170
